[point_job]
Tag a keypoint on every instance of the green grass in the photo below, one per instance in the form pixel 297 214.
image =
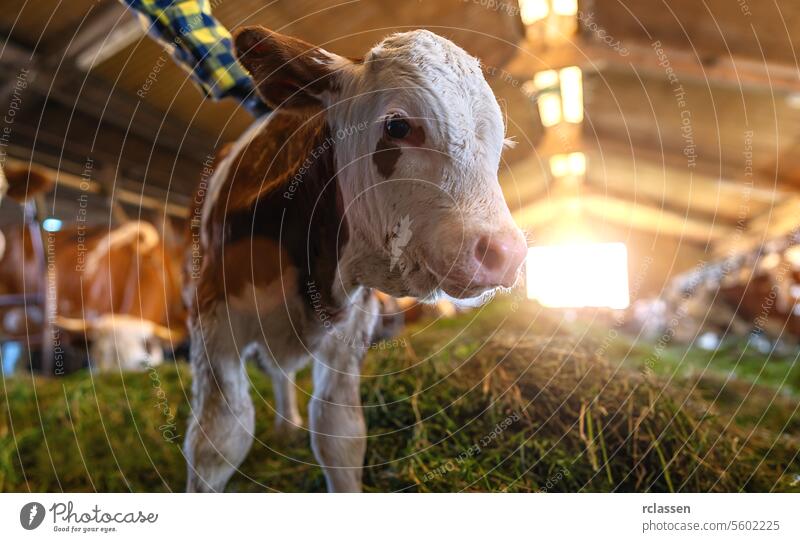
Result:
pixel 757 390
pixel 499 399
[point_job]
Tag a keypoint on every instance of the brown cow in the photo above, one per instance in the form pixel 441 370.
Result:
pixel 120 286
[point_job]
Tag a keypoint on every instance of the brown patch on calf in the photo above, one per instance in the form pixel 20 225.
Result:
pixel 259 261
pixel 388 151
pixel 268 162
pixel 222 154
pixel 416 138
pixel 281 198
pixel 255 273
pixel 386 156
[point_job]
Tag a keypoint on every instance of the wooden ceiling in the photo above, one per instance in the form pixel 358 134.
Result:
pixel 748 29
pixel 734 61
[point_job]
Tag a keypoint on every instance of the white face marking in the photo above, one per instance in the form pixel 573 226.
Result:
pixel 441 180
pixel 122 342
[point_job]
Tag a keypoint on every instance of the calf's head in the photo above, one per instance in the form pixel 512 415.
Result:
pixel 417 136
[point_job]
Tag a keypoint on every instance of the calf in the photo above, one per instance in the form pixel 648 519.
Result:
pixel 378 173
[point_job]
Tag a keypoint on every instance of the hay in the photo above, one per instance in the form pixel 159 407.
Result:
pixel 490 407
pixel 578 424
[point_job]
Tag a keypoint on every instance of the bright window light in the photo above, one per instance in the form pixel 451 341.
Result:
pixel 559 165
pixel 577 163
pixel 549 109
pixel 572 164
pixel 545 79
pixel 51 224
pixel 792 255
pixel 770 261
pixel 533 10
pixel 565 7
pixel 579 275
pixel 574 206
pixel 549 103
pixel 572 94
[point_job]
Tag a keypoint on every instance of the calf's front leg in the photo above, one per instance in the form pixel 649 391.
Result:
pixel 338 430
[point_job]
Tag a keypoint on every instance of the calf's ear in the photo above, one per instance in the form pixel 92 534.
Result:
pixel 289 73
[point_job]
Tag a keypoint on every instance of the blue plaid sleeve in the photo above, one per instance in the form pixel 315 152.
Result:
pixel 201 45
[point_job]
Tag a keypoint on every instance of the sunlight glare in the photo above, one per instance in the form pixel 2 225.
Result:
pixel 533 10
pixel 578 275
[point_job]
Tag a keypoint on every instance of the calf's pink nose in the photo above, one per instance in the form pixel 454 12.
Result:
pixel 498 257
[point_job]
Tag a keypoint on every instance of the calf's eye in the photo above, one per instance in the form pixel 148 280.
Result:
pixel 397 128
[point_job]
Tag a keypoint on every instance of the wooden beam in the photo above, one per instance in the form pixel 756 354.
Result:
pixel 541 212
pixel 100 31
pixel 622 212
pixel 662 203
pixel 651 60
pixel 57 134
pixel 129 197
pixel 653 219
pixel 106 179
pixel 673 165
pixel 669 195
pixel 88 118
pixel 97 98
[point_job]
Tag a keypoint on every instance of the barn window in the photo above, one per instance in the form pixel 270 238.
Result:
pixel 578 275
pixel 565 7
pixel 545 87
pixel 533 10
pixel 568 165
pixel 572 93
pixel 558 95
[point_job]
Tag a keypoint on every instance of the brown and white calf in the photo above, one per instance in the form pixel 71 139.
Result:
pixel 379 173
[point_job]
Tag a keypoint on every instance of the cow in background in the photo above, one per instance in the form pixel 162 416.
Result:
pixel 17 183
pixel 116 290
pixel 755 297
pixel 122 288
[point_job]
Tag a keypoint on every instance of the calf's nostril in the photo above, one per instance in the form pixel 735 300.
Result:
pixel 491 255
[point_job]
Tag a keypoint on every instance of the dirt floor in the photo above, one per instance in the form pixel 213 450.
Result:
pixel 505 398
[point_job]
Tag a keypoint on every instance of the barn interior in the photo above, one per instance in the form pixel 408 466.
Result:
pixel 655 172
